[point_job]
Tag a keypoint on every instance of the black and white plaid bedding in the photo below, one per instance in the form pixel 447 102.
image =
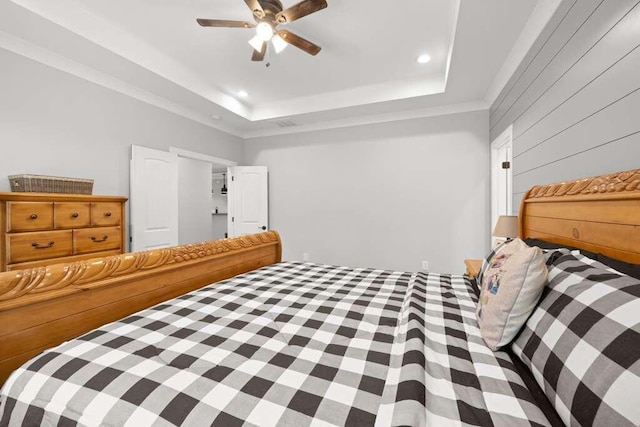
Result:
pixel 582 342
pixel 290 344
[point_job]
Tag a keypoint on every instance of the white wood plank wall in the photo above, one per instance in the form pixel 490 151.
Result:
pixel 575 100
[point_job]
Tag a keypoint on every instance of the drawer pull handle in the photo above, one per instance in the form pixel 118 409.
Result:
pixel 75 215
pixel 34 216
pixel 95 239
pixel 37 245
pixel 107 214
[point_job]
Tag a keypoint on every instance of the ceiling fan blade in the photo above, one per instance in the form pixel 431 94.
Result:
pixel 300 10
pixel 224 23
pixel 299 42
pixel 256 8
pixel 259 56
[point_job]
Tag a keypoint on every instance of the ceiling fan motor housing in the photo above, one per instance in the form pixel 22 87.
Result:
pixel 271 9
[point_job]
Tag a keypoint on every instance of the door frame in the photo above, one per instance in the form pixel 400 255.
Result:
pixel 204 157
pixel 504 139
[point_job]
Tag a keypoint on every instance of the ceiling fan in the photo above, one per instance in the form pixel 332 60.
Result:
pixel 268 14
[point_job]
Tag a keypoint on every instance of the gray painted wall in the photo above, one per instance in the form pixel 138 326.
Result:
pixel 575 100
pixel 386 195
pixel 53 123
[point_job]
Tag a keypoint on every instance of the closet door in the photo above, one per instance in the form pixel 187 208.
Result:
pixel 154 198
pixel 248 200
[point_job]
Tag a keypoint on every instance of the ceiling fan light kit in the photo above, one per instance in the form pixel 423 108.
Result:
pixel 268 14
pixel 264 31
pixel 278 43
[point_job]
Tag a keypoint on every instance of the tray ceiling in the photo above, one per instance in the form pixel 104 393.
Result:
pixel 367 69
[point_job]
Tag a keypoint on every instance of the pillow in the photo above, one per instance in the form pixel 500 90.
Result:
pixel 627 268
pixel 509 291
pixel 485 262
pixel 542 244
pixel 582 343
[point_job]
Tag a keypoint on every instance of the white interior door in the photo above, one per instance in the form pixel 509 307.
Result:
pixel 154 198
pixel 248 200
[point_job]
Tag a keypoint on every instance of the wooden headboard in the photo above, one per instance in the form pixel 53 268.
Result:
pixel 599 214
pixel 45 306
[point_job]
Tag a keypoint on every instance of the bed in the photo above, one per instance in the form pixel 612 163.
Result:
pixel 224 333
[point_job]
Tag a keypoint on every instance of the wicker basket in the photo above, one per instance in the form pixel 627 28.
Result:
pixel 50 184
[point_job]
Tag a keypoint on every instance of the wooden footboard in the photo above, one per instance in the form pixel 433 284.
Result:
pixel 43 307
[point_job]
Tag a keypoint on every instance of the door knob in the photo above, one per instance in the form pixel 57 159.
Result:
pixel 264 227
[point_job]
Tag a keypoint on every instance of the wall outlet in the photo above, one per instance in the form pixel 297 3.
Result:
pixel 425 265
pixel 305 256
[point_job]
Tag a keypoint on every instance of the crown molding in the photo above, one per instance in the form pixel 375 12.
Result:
pixel 372 119
pixel 46 57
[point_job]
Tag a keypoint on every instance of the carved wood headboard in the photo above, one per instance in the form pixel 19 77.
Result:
pixel 599 214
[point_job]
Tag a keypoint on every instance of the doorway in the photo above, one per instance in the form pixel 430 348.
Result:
pixel 170 206
pixel 501 176
pixel 219 201
pixel 170 197
pixel 202 208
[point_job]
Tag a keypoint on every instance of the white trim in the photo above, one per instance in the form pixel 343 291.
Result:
pixel 505 138
pixel 456 18
pixel 371 119
pixel 204 157
pixel 539 18
pixel 64 64
pixel 348 98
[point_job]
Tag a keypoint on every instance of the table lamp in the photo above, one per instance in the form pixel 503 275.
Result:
pixel 507 226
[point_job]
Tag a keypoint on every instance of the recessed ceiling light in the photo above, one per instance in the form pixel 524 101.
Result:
pixel 424 58
pixel 243 93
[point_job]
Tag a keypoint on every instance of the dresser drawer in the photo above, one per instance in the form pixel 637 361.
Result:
pixel 104 214
pixel 72 215
pixel 29 216
pixel 97 239
pixel 35 246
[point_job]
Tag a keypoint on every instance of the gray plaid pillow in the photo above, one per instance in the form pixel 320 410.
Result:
pixel 582 343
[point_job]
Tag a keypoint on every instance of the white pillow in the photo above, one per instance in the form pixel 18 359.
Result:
pixel 510 289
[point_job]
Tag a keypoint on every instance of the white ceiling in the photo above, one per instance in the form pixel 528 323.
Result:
pixel 366 72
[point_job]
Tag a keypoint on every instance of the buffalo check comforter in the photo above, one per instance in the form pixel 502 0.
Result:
pixel 291 344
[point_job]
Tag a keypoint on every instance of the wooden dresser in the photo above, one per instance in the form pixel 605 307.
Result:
pixel 39 229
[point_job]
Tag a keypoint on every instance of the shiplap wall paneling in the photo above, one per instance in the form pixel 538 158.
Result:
pixel 516 83
pixel 574 102
pixel 587 22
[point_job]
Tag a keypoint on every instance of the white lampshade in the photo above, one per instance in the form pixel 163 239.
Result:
pixel 507 226
pixel 256 43
pixel 278 43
